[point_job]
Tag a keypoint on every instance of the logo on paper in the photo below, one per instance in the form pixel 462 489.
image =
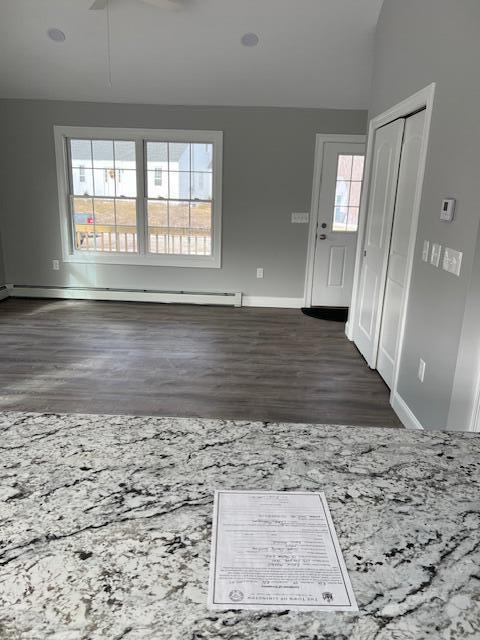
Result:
pixel 327 596
pixel 236 595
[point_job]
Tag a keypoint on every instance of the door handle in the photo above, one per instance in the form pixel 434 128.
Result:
pixel 322 236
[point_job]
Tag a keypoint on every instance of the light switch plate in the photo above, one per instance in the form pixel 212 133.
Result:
pixel 421 370
pixel 426 250
pixel 452 261
pixel 301 217
pixel 436 252
pixel 260 272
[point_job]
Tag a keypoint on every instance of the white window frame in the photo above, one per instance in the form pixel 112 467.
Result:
pixel 140 136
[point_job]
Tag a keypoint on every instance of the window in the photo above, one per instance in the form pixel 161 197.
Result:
pixel 347 193
pixel 179 208
pixel 140 197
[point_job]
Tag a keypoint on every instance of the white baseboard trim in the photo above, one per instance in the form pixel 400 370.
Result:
pixel 126 295
pixel 3 292
pixel 279 303
pixel 403 411
pixel 132 295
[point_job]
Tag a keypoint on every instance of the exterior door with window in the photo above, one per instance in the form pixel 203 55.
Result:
pixel 339 205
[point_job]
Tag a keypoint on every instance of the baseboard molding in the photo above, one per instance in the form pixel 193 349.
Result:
pixel 3 292
pixel 403 411
pixel 127 295
pixel 132 295
pixel 279 303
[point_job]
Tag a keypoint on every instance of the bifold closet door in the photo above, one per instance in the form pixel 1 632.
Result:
pixel 397 262
pixel 387 148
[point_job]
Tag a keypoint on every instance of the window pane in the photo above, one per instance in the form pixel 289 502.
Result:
pixel 104 182
pixel 108 221
pixel 179 185
pixel 358 163
pixel 157 227
pixel 179 214
pixel 348 192
pixel 201 186
pixel 179 156
pixel 102 151
pixel 83 219
pixel 157 214
pixel 104 212
pixel 340 219
pixel 126 183
pixel 342 193
pixel 201 217
pixel 124 154
pixel 81 153
pixel 344 171
pixel 157 188
pixel 126 211
pixel 82 181
pixel 83 223
pixel 355 190
pixel 352 223
pixel 157 155
pixel 202 157
pixel 126 229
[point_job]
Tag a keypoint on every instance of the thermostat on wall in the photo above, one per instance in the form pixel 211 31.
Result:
pixel 448 209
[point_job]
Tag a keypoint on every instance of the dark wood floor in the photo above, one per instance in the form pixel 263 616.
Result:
pixel 255 364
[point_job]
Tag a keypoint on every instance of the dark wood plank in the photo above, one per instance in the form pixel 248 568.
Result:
pixel 153 359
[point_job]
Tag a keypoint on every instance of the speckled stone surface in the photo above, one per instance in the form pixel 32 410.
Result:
pixel 106 522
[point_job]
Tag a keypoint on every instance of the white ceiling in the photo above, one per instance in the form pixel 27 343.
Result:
pixel 312 53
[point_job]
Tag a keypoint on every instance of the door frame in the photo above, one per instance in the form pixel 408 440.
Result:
pixel 321 139
pixel 423 99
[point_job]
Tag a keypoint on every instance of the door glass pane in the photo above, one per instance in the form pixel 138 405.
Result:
pixel 347 192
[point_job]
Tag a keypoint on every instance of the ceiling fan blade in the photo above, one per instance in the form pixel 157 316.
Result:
pixel 98 5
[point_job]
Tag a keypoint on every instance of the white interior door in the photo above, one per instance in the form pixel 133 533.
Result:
pixel 387 149
pixel 339 203
pixel 397 263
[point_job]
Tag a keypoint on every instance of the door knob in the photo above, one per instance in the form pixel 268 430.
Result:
pixel 322 236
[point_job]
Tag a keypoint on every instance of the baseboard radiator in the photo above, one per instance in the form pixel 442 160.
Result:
pixel 125 295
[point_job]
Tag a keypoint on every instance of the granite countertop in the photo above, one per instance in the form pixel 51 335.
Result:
pixel 106 523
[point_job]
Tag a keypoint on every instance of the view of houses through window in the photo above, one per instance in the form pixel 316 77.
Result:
pixel 108 214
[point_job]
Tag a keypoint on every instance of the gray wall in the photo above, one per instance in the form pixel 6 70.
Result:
pixel 419 42
pixel 268 167
pixel 2 267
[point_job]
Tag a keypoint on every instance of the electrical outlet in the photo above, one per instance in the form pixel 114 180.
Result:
pixel 260 272
pixel 56 265
pixel 421 370
pixel 426 250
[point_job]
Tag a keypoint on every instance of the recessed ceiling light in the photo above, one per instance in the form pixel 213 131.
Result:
pixel 250 40
pixel 56 35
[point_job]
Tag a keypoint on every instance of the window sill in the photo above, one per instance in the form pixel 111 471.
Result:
pixel 209 262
